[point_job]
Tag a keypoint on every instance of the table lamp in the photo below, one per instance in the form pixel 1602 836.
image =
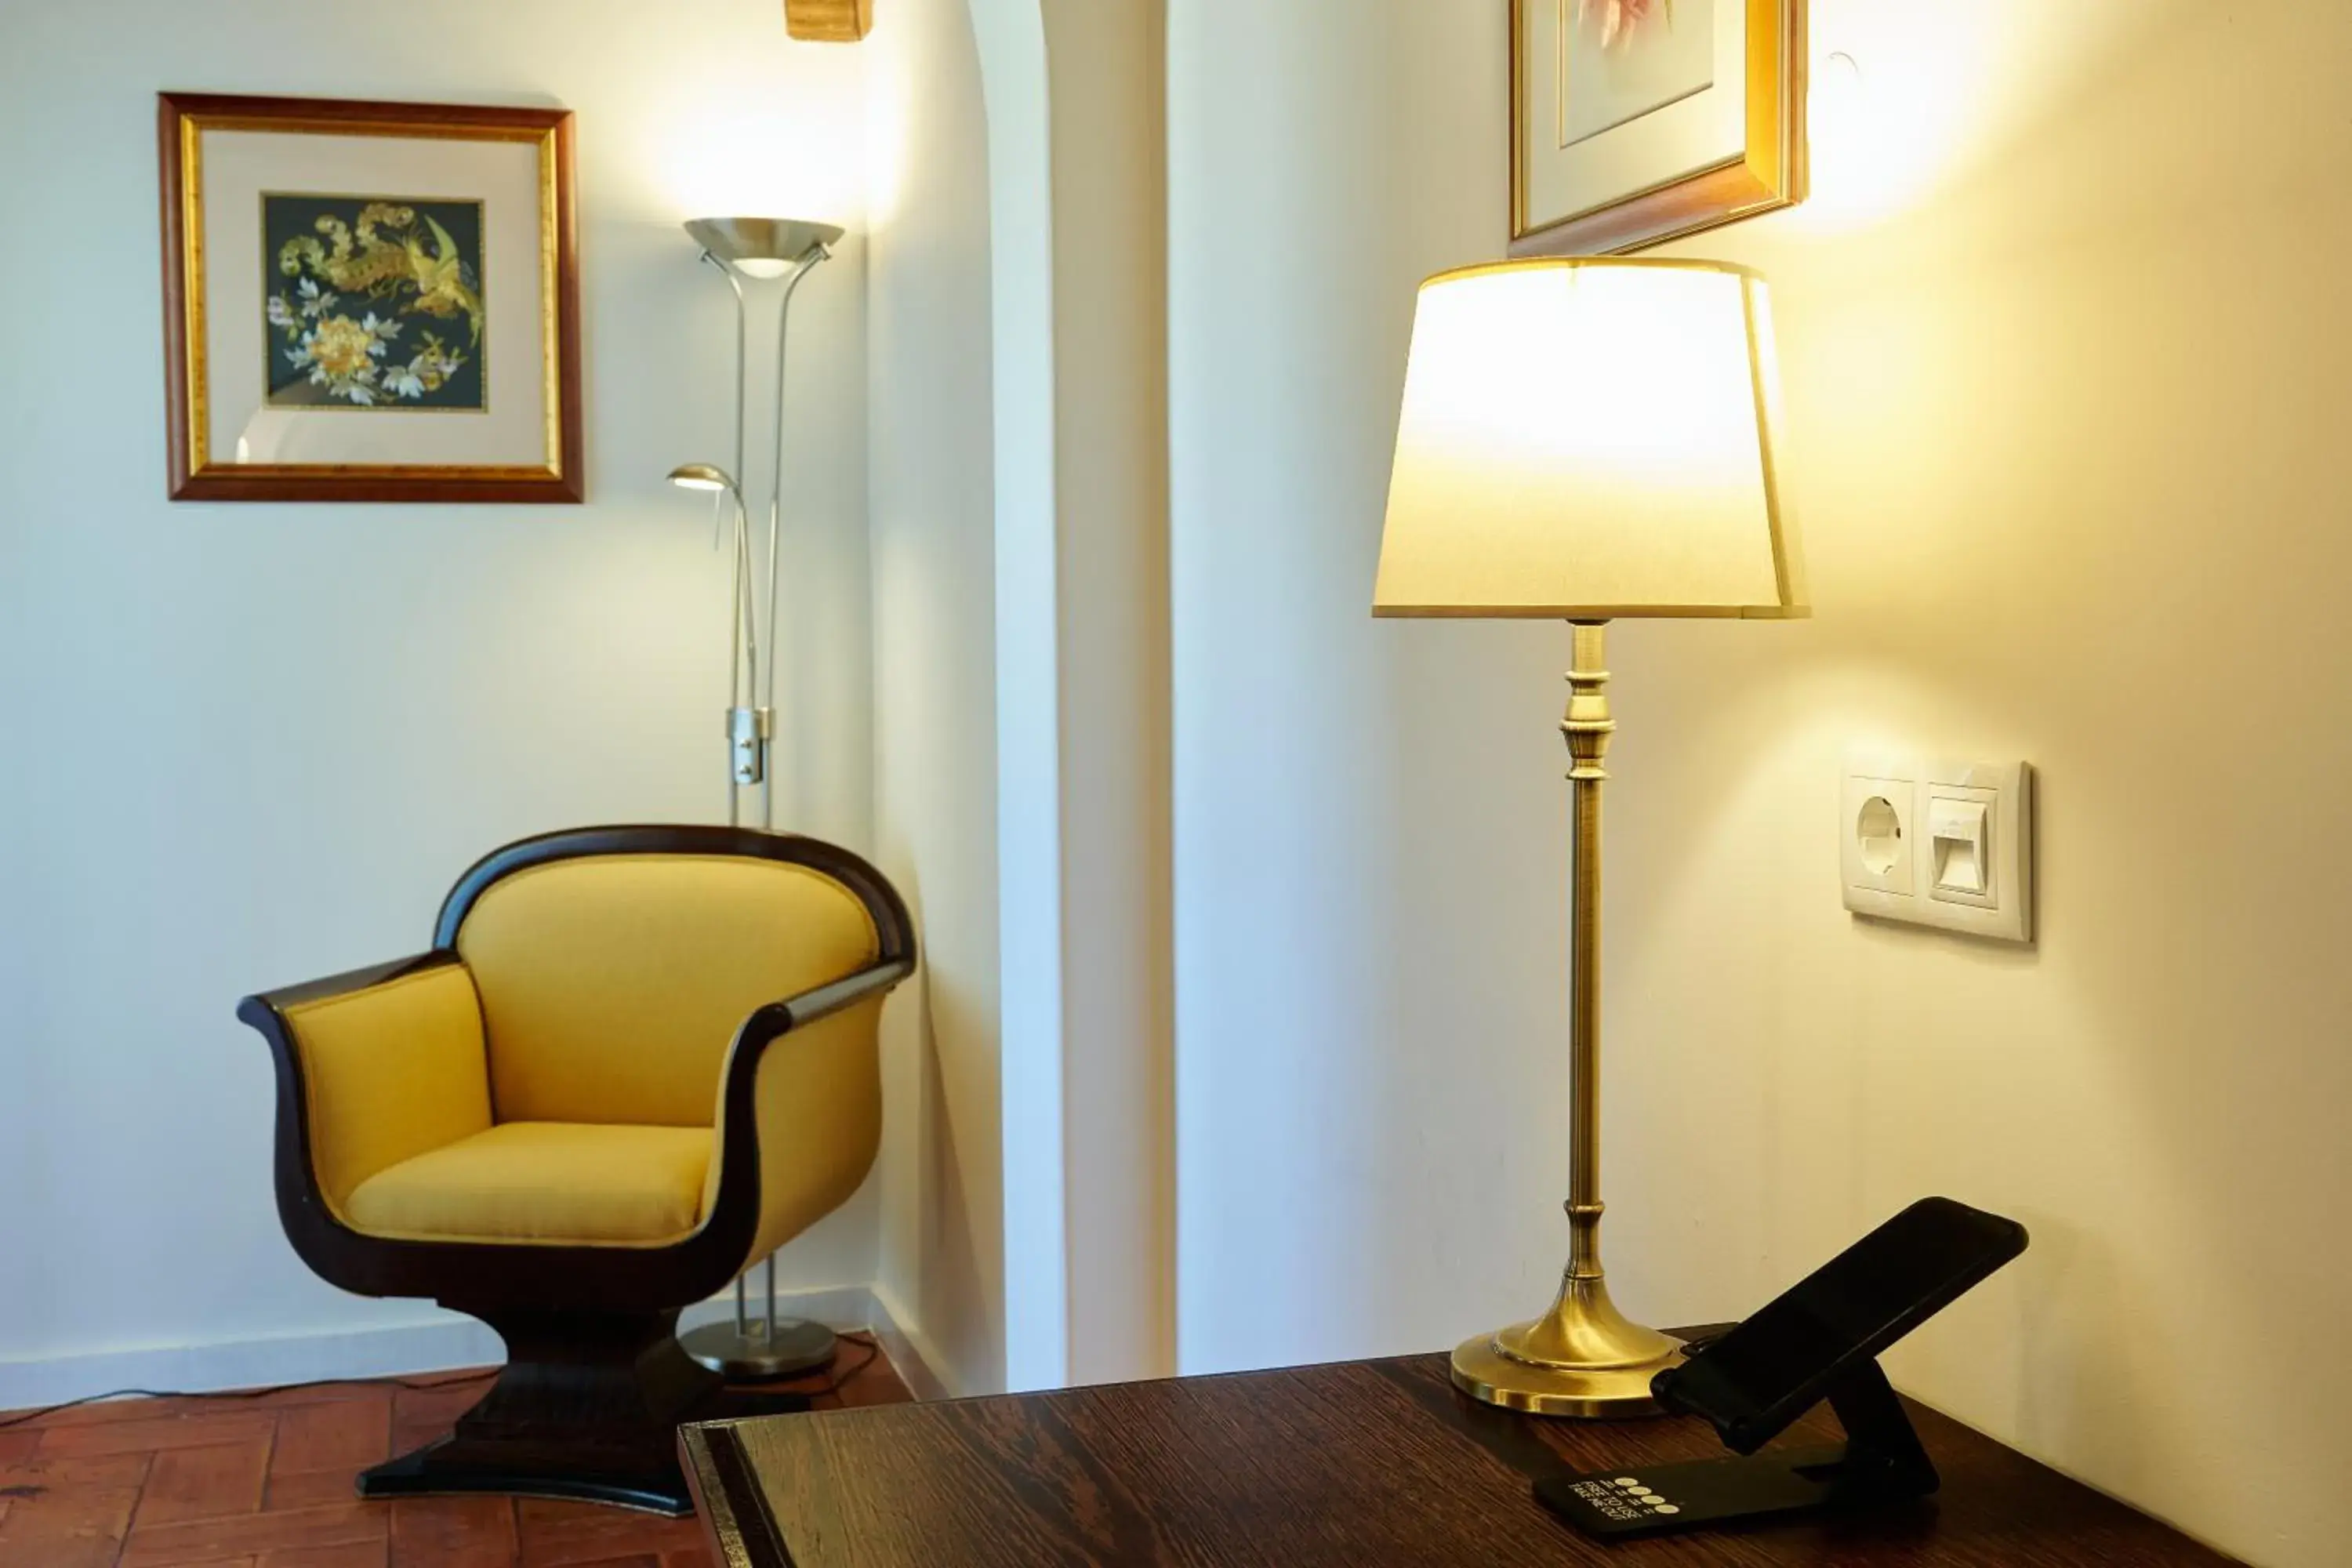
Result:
pixel 1582 439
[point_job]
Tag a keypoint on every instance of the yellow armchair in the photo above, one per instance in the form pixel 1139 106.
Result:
pixel 636 1059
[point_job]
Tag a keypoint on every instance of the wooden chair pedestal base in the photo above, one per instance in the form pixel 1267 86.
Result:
pixel 587 1409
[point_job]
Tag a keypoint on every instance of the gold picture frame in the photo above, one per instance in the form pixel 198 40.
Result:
pixel 1700 156
pixel 385 427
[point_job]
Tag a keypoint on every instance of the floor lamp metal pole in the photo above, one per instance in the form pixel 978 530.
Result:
pixel 815 255
pixel 771 1347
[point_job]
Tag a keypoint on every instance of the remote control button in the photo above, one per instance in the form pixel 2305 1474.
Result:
pixel 1627 1482
pixel 1665 1507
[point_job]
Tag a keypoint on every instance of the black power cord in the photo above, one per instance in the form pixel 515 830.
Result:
pixel 833 1385
pixel 843 1376
pixel 23 1416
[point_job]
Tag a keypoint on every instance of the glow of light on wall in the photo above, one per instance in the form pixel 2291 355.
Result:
pixel 760 146
pixel 889 125
pixel 1907 99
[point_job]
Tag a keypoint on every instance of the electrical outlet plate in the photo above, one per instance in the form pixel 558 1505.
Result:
pixel 1938 842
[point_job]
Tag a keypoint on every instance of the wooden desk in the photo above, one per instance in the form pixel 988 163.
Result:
pixel 1364 1464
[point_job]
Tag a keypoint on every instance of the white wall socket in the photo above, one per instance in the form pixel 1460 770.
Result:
pixel 1939 843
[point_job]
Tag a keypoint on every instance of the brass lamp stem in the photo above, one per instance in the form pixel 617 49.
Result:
pixel 1588 727
pixel 1583 1357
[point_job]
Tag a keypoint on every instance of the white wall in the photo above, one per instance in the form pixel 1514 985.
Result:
pixel 2064 355
pixel 1028 1235
pixel 1011 38
pixel 244 746
pixel 934 553
pixel 1369 819
pixel 2067 388
pixel 1111 613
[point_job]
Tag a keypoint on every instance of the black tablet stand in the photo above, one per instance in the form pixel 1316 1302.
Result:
pixel 1820 1340
pixel 1881 1462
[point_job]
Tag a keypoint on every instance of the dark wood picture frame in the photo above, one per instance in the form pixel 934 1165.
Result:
pixel 181 118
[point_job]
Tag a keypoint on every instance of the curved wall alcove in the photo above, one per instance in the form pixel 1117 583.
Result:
pixel 1031 1212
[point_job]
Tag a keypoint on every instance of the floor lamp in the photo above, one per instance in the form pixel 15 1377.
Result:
pixel 1584 439
pixel 759 250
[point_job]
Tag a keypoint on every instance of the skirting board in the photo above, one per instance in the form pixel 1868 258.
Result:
pixel 917 1361
pixel 429 1340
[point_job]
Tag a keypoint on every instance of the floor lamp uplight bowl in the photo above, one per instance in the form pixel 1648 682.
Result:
pixel 758 250
pixel 1583 440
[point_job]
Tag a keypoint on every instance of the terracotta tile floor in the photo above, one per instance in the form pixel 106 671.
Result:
pixel 267 1483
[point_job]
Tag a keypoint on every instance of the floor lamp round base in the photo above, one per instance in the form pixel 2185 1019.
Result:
pixel 1594 1393
pixel 752 1356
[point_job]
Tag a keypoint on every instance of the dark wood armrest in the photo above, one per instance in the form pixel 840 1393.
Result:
pixel 782 1017
pixel 259 1010
pixel 739 1174
pixel 771 1022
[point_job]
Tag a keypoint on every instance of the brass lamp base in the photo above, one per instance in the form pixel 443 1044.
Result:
pixel 1582 1358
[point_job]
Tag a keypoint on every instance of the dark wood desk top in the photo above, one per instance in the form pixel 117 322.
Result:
pixel 1361 1463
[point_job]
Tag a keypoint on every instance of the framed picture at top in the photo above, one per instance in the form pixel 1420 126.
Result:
pixel 1636 121
pixel 370 301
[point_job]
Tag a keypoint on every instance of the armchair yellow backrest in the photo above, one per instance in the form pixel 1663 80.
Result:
pixel 612 985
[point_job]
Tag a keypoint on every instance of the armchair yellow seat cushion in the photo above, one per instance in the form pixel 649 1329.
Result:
pixel 544 1184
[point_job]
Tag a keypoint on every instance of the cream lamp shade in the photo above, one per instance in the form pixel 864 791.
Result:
pixel 1587 439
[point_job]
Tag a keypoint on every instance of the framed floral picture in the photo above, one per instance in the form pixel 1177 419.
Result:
pixel 370 301
pixel 1637 121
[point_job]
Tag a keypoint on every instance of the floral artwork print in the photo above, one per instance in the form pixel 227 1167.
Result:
pixel 1620 21
pixel 373 302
